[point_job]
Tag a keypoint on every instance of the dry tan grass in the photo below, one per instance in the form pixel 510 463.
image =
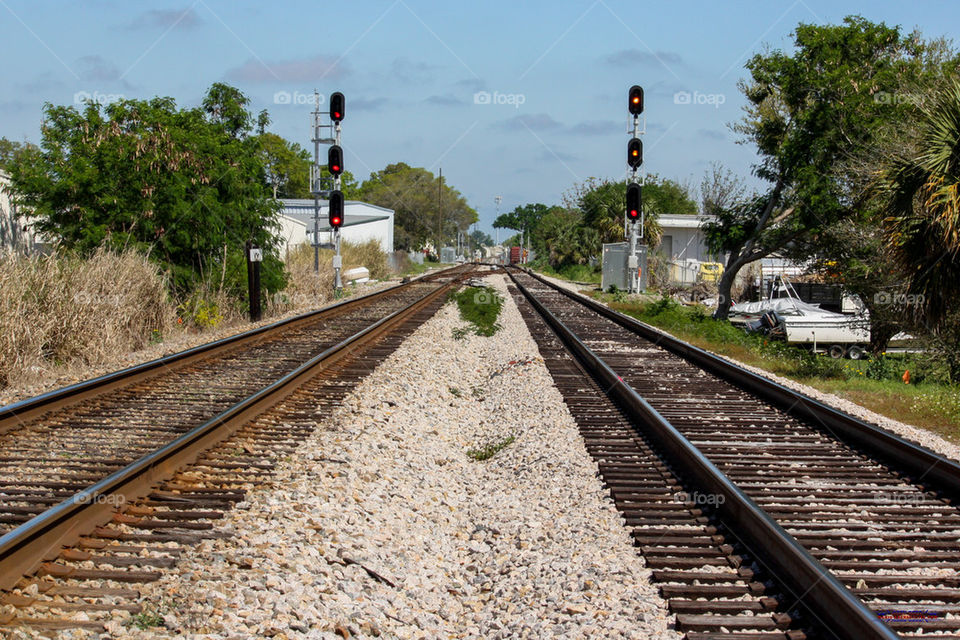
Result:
pixel 62 313
pixel 308 289
pixel 58 310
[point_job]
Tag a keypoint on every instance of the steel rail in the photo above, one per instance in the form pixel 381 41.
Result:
pixel 13 415
pixel 814 587
pixel 23 549
pixel 924 465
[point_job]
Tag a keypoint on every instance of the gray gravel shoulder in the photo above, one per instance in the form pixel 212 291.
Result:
pixel 920 436
pixel 383 524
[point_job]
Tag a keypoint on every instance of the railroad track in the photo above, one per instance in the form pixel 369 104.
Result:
pixel 103 483
pixel 762 513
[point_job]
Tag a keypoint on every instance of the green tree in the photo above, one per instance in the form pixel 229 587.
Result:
pixel 523 218
pixel 807 112
pixel 287 166
pixel 919 194
pixel 851 254
pixel 348 185
pixel 9 150
pixel 481 239
pixel 412 193
pixel 603 205
pixel 186 186
pixel 564 240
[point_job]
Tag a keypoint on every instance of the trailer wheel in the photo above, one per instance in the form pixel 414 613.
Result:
pixel 836 351
pixel 855 352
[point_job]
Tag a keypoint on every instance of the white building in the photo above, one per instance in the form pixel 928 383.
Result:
pixel 684 245
pixel 361 222
pixel 15 234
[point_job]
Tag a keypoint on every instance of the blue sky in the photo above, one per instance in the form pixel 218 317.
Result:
pixel 518 99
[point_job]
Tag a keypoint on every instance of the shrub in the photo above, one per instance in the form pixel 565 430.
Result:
pixel 307 289
pixel 62 309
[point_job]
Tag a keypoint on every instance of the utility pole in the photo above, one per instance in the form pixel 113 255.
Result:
pixel 315 181
pixel 439 211
pixel 526 253
pixel 497 199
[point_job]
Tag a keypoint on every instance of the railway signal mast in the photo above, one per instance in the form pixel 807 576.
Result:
pixel 634 215
pixel 336 203
pixel 335 200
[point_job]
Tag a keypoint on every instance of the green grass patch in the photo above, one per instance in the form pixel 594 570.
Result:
pixel 874 383
pixel 149 617
pixel 480 306
pixel 416 268
pixel 573 272
pixel 490 449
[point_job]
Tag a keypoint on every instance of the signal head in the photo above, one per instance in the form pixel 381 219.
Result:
pixel 635 100
pixel 335 160
pixel 634 153
pixel 335 210
pixel 634 202
pixel 337 106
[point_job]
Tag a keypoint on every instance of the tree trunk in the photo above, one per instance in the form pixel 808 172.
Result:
pixel 223 272
pixel 880 334
pixel 723 293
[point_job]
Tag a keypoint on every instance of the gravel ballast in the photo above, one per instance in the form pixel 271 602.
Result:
pixel 385 524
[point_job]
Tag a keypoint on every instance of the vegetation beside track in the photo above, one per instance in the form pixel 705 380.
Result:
pixel 62 310
pixel 490 449
pixel 63 313
pixel 573 272
pixel 480 306
pixel 928 401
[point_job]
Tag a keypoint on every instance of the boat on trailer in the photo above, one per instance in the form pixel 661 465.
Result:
pixel 838 334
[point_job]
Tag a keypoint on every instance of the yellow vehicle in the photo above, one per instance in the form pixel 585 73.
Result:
pixel 710 272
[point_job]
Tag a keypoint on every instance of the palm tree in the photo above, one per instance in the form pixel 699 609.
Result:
pixel 604 208
pixel 920 197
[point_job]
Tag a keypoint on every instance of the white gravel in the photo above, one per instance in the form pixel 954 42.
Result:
pixel 382 524
pixel 920 436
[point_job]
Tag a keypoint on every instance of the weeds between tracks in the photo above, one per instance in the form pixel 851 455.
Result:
pixel 480 306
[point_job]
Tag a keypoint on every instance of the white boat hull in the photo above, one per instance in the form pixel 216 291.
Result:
pixel 824 332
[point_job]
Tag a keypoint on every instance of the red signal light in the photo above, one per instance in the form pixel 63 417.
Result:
pixel 335 213
pixel 337 106
pixel 634 202
pixel 335 160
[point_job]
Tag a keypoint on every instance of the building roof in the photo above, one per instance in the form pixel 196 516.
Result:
pixel 682 221
pixel 354 212
pixel 307 203
pixel 348 220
